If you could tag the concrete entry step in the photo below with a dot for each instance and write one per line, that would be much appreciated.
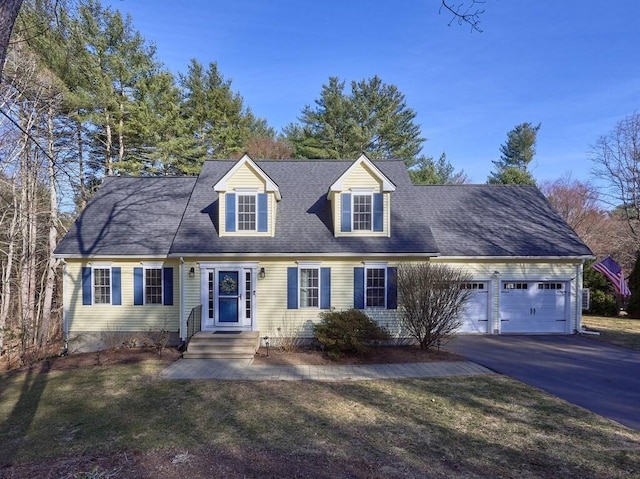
(223, 344)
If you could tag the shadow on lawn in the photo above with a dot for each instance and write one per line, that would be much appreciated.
(17, 424)
(409, 428)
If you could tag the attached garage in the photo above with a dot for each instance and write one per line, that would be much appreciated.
(534, 307)
(477, 312)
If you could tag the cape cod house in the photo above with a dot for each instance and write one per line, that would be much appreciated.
(264, 246)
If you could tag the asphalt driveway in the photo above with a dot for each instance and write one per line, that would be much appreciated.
(599, 377)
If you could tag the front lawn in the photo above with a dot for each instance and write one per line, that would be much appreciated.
(122, 421)
(623, 332)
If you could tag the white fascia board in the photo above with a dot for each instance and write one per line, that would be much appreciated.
(387, 184)
(270, 185)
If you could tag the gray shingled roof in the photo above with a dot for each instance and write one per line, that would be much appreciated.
(178, 217)
(496, 220)
(303, 221)
(129, 216)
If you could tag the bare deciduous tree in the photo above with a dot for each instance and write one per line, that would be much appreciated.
(616, 159)
(579, 205)
(8, 12)
(431, 301)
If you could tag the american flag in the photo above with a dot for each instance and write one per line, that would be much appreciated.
(613, 271)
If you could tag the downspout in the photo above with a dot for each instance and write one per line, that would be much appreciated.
(65, 306)
(183, 325)
(578, 318)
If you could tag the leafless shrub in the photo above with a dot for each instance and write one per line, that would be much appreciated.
(431, 301)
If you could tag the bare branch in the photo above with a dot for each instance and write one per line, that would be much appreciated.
(464, 14)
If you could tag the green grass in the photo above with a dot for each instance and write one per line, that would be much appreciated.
(623, 332)
(450, 427)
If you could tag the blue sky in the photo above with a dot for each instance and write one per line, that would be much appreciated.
(572, 65)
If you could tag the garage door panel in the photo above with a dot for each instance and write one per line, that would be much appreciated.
(533, 307)
(476, 316)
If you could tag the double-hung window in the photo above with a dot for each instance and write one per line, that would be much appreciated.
(362, 211)
(246, 212)
(375, 289)
(153, 286)
(374, 286)
(309, 287)
(101, 285)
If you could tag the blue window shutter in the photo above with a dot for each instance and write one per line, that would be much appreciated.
(230, 211)
(392, 288)
(358, 288)
(116, 286)
(86, 285)
(138, 286)
(346, 212)
(378, 207)
(262, 212)
(325, 288)
(292, 288)
(167, 285)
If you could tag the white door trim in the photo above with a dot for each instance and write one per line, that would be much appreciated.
(209, 298)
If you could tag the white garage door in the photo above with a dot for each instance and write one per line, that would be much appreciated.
(476, 316)
(533, 307)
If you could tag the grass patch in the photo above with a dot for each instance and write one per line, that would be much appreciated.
(623, 332)
(132, 424)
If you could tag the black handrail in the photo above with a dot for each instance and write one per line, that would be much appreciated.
(194, 322)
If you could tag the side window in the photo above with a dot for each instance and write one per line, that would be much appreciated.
(102, 286)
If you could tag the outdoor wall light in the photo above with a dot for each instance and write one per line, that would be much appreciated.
(262, 273)
(496, 274)
(192, 272)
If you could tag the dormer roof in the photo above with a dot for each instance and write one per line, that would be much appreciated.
(386, 184)
(270, 185)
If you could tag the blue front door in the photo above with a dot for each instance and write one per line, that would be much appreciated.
(228, 297)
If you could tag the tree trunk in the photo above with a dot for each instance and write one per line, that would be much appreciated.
(8, 12)
(81, 178)
(108, 145)
(52, 262)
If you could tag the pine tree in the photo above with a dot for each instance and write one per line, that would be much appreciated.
(373, 118)
(517, 153)
(441, 172)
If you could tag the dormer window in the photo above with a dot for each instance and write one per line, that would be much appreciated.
(361, 212)
(246, 212)
(247, 200)
(361, 201)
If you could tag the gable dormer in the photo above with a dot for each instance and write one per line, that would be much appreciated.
(361, 201)
(247, 200)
